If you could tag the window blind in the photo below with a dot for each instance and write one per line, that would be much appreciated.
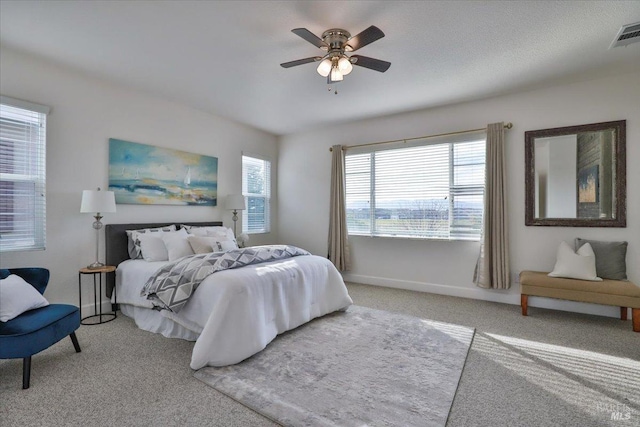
(22, 175)
(256, 188)
(427, 190)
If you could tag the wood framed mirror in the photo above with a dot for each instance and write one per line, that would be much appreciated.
(575, 176)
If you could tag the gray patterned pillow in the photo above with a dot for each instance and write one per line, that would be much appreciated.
(610, 258)
(134, 242)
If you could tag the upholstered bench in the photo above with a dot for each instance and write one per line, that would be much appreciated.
(608, 292)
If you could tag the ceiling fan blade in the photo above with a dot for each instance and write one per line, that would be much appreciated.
(300, 62)
(371, 63)
(310, 37)
(364, 38)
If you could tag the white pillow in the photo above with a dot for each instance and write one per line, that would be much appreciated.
(17, 296)
(196, 231)
(203, 245)
(177, 244)
(572, 265)
(223, 235)
(134, 243)
(224, 246)
(152, 247)
(213, 231)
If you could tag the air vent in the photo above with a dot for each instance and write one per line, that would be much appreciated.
(628, 34)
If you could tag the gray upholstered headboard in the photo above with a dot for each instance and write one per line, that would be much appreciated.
(116, 243)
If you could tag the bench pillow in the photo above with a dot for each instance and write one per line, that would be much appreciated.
(610, 258)
(575, 265)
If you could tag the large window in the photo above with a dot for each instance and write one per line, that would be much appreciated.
(22, 175)
(432, 191)
(256, 188)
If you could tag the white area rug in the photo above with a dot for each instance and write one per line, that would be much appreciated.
(362, 367)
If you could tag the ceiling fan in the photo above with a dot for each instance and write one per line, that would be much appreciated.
(336, 64)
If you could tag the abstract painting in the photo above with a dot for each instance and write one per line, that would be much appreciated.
(146, 175)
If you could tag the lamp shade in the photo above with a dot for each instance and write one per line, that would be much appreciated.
(336, 75)
(98, 201)
(235, 202)
(344, 65)
(324, 68)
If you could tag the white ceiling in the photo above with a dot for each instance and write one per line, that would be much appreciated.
(224, 56)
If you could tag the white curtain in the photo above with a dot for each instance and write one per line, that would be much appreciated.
(492, 269)
(338, 235)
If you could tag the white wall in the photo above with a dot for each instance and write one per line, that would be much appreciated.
(85, 113)
(447, 267)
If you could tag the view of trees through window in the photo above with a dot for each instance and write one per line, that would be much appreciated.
(429, 191)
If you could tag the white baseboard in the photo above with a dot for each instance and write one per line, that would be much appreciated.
(496, 296)
(511, 296)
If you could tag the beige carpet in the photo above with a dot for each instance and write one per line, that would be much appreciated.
(567, 369)
(357, 368)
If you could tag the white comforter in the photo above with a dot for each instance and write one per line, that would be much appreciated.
(236, 313)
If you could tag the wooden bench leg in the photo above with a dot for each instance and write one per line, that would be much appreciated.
(635, 316)
(623, 313)
(523, 304)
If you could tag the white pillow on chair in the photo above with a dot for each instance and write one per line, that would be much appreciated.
(18, 296)
(575, 265)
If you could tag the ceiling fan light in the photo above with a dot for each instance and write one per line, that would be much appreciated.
(336, 75)
(344, 65)
(324, 68)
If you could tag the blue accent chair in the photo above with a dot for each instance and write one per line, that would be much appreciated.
(36, 330)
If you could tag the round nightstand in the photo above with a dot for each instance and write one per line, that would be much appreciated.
(98, 317)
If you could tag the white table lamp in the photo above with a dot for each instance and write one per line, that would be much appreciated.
(96, 202)
(235, 203)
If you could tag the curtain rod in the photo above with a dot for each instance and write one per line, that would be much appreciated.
(346, 147)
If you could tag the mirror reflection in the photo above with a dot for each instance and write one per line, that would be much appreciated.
(575, 175)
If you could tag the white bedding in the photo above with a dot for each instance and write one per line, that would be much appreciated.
(235, 313)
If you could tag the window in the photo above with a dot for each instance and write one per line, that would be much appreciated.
(22, 175)
(421, 190)
(256, 188)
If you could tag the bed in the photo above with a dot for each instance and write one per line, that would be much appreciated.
(234, 313)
